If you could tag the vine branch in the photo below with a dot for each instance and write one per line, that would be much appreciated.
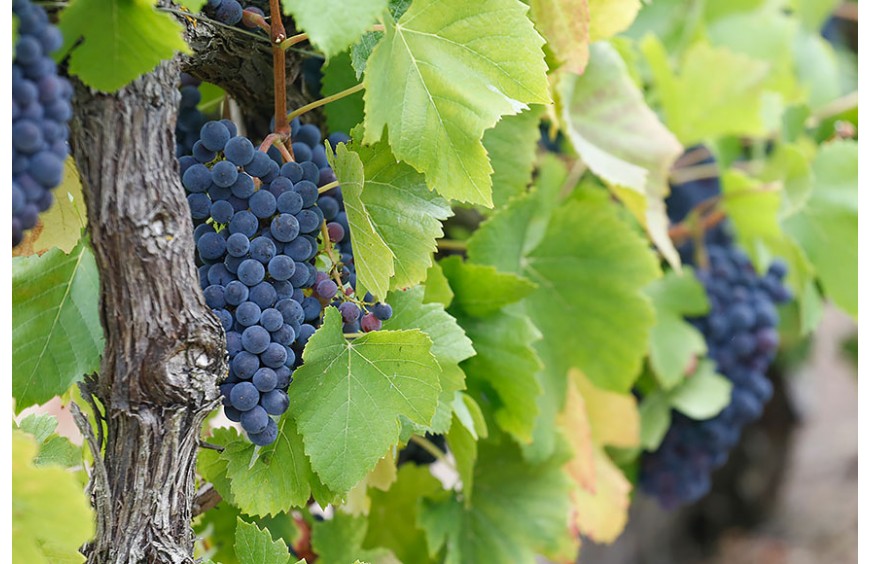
(324, 101)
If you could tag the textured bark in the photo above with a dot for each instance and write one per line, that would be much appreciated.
(241, 63)
(164, 351)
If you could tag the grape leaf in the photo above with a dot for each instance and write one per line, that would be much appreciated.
(275, 478)
(506, 363)
(702, 395)
(609, 17)
(511, 146)
(335, 25)
(51, 516)
(255, 546)
(345, 113)
(589, 268)
(518, 509)
(621, 139)
(593, 418)
(392, 522)
(110, 56)
(450, 346)
(698, 104)
(339, 541)
(480, 290)
(213, 467)
(437, 288)
(347, 397)
(492, 56)
(827, 227)
(565, 24)
(463, 447)
(62, 225)
(56, 332)
(53, 449)
(655, 419)
(673, 341)
(394, 219)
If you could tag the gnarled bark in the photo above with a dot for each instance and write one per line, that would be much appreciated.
(165, 351)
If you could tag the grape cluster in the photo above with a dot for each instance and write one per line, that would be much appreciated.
(190, 119)
(256, 226)
(40, 112)
(742, 339)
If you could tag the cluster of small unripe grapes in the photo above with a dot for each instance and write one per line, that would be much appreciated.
(742, 339)
(259, 224)
(40, 112)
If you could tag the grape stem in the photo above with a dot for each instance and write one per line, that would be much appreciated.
(328, 187)
(452, 245)
(429, 447)
(253, 18)
(278, 35)
(274, 139)
(293, 40)
(324, 101)
(327, 247)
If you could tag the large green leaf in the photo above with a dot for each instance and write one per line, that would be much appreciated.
(673, 341)
(511, 146)
(335, 25)
(518, 510)
(345, 113)
(392, 519)
(450, 346)
(120, 40)
(271, 479)
(348, 396)
(590, 268)
(621, 139)
(443, 74)
(394, 219)
(51, 516)
(56, 332)
(699, 104)
(507, 364)
(255, 546)
(827, 227)
(339, 541)
(480, 289)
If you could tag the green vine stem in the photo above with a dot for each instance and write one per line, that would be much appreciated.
(324, 101)
(328, 187)
(452, 245)
(293, 40)
(429, 447)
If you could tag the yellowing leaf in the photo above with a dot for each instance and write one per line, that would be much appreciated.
(565, 24)
(622, 139)
(609, 17)
(592, 418)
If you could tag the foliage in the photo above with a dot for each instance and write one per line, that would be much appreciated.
(518, 337)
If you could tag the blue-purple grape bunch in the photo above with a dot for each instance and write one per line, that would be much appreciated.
(742, 339)
(41, 111)
(256, 226)
(190, 118)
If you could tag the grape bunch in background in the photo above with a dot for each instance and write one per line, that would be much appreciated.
(190, 119)
(259, 225)
(40, 112)
(742, 339)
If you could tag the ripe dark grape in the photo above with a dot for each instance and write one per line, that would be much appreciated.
(40, 112)
(382, 311)
(244, 396)
(255, 420)
(274, 402)
(269, 435)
